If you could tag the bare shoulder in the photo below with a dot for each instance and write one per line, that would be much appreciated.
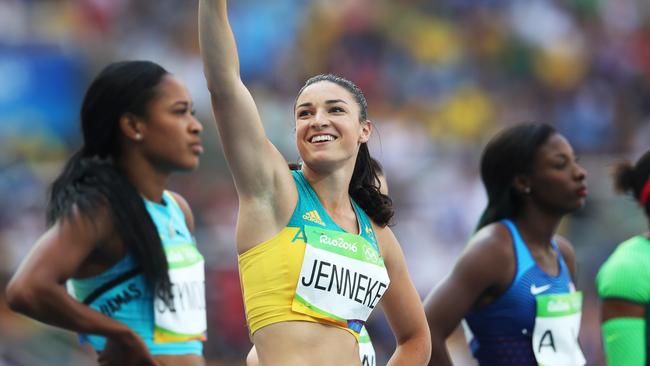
(185, 207)
(488, 259)
(386, 240)
(182, 202)
(91, 227)
(568, 253)
(390, 249)
(481, 273)
(565, 247)
(492, 242)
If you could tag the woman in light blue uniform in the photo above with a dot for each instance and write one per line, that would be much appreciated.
(123, 243)
(513, 284)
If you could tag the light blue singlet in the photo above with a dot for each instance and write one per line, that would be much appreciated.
(120, 292)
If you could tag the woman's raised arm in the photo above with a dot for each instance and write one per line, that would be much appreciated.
(254, 162)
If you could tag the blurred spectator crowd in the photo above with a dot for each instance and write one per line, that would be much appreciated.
(441, 77)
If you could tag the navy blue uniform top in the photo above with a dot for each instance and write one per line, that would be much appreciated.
(502, 331)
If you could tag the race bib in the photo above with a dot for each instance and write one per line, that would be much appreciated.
(555, 337)
(342, 278)
(185, 318)
(366, 350)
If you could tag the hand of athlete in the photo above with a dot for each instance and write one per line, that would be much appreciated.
(128, 350)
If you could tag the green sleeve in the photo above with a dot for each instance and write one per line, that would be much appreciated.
(626, 274)
(624, 341)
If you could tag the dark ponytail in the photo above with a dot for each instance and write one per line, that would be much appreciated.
(91, 181)
(624, 178)
(364, 185)
(364, 189)
(633, 179)
(508, 154)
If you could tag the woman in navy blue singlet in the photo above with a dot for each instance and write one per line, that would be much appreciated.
(116, 237)
(512, 287)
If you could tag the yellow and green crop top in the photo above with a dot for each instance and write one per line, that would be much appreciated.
(270, 271)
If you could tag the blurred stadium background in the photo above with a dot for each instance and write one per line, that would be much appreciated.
(441, 77)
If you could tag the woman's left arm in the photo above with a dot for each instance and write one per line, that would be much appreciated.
(402, 306)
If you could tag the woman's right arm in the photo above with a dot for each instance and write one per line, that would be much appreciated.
(256, 165)
(624, 332)
(623, 287)
(479, 269)
(38, 290)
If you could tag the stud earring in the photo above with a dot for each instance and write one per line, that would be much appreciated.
(138, 136)
(527, 190)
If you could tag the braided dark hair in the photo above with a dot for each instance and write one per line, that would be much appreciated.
(91, 181)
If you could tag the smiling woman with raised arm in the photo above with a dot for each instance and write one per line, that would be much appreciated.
(315, 253)
(366, 349)
(513, 284)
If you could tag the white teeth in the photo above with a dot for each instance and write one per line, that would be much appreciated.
(321, 138)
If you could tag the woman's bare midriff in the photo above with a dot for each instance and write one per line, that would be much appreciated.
(298, 343)
(180, 360)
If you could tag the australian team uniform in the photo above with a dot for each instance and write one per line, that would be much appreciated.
(313, 270)
(121, 293)
(535, 322)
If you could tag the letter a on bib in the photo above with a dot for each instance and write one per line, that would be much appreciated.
(555, 337)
